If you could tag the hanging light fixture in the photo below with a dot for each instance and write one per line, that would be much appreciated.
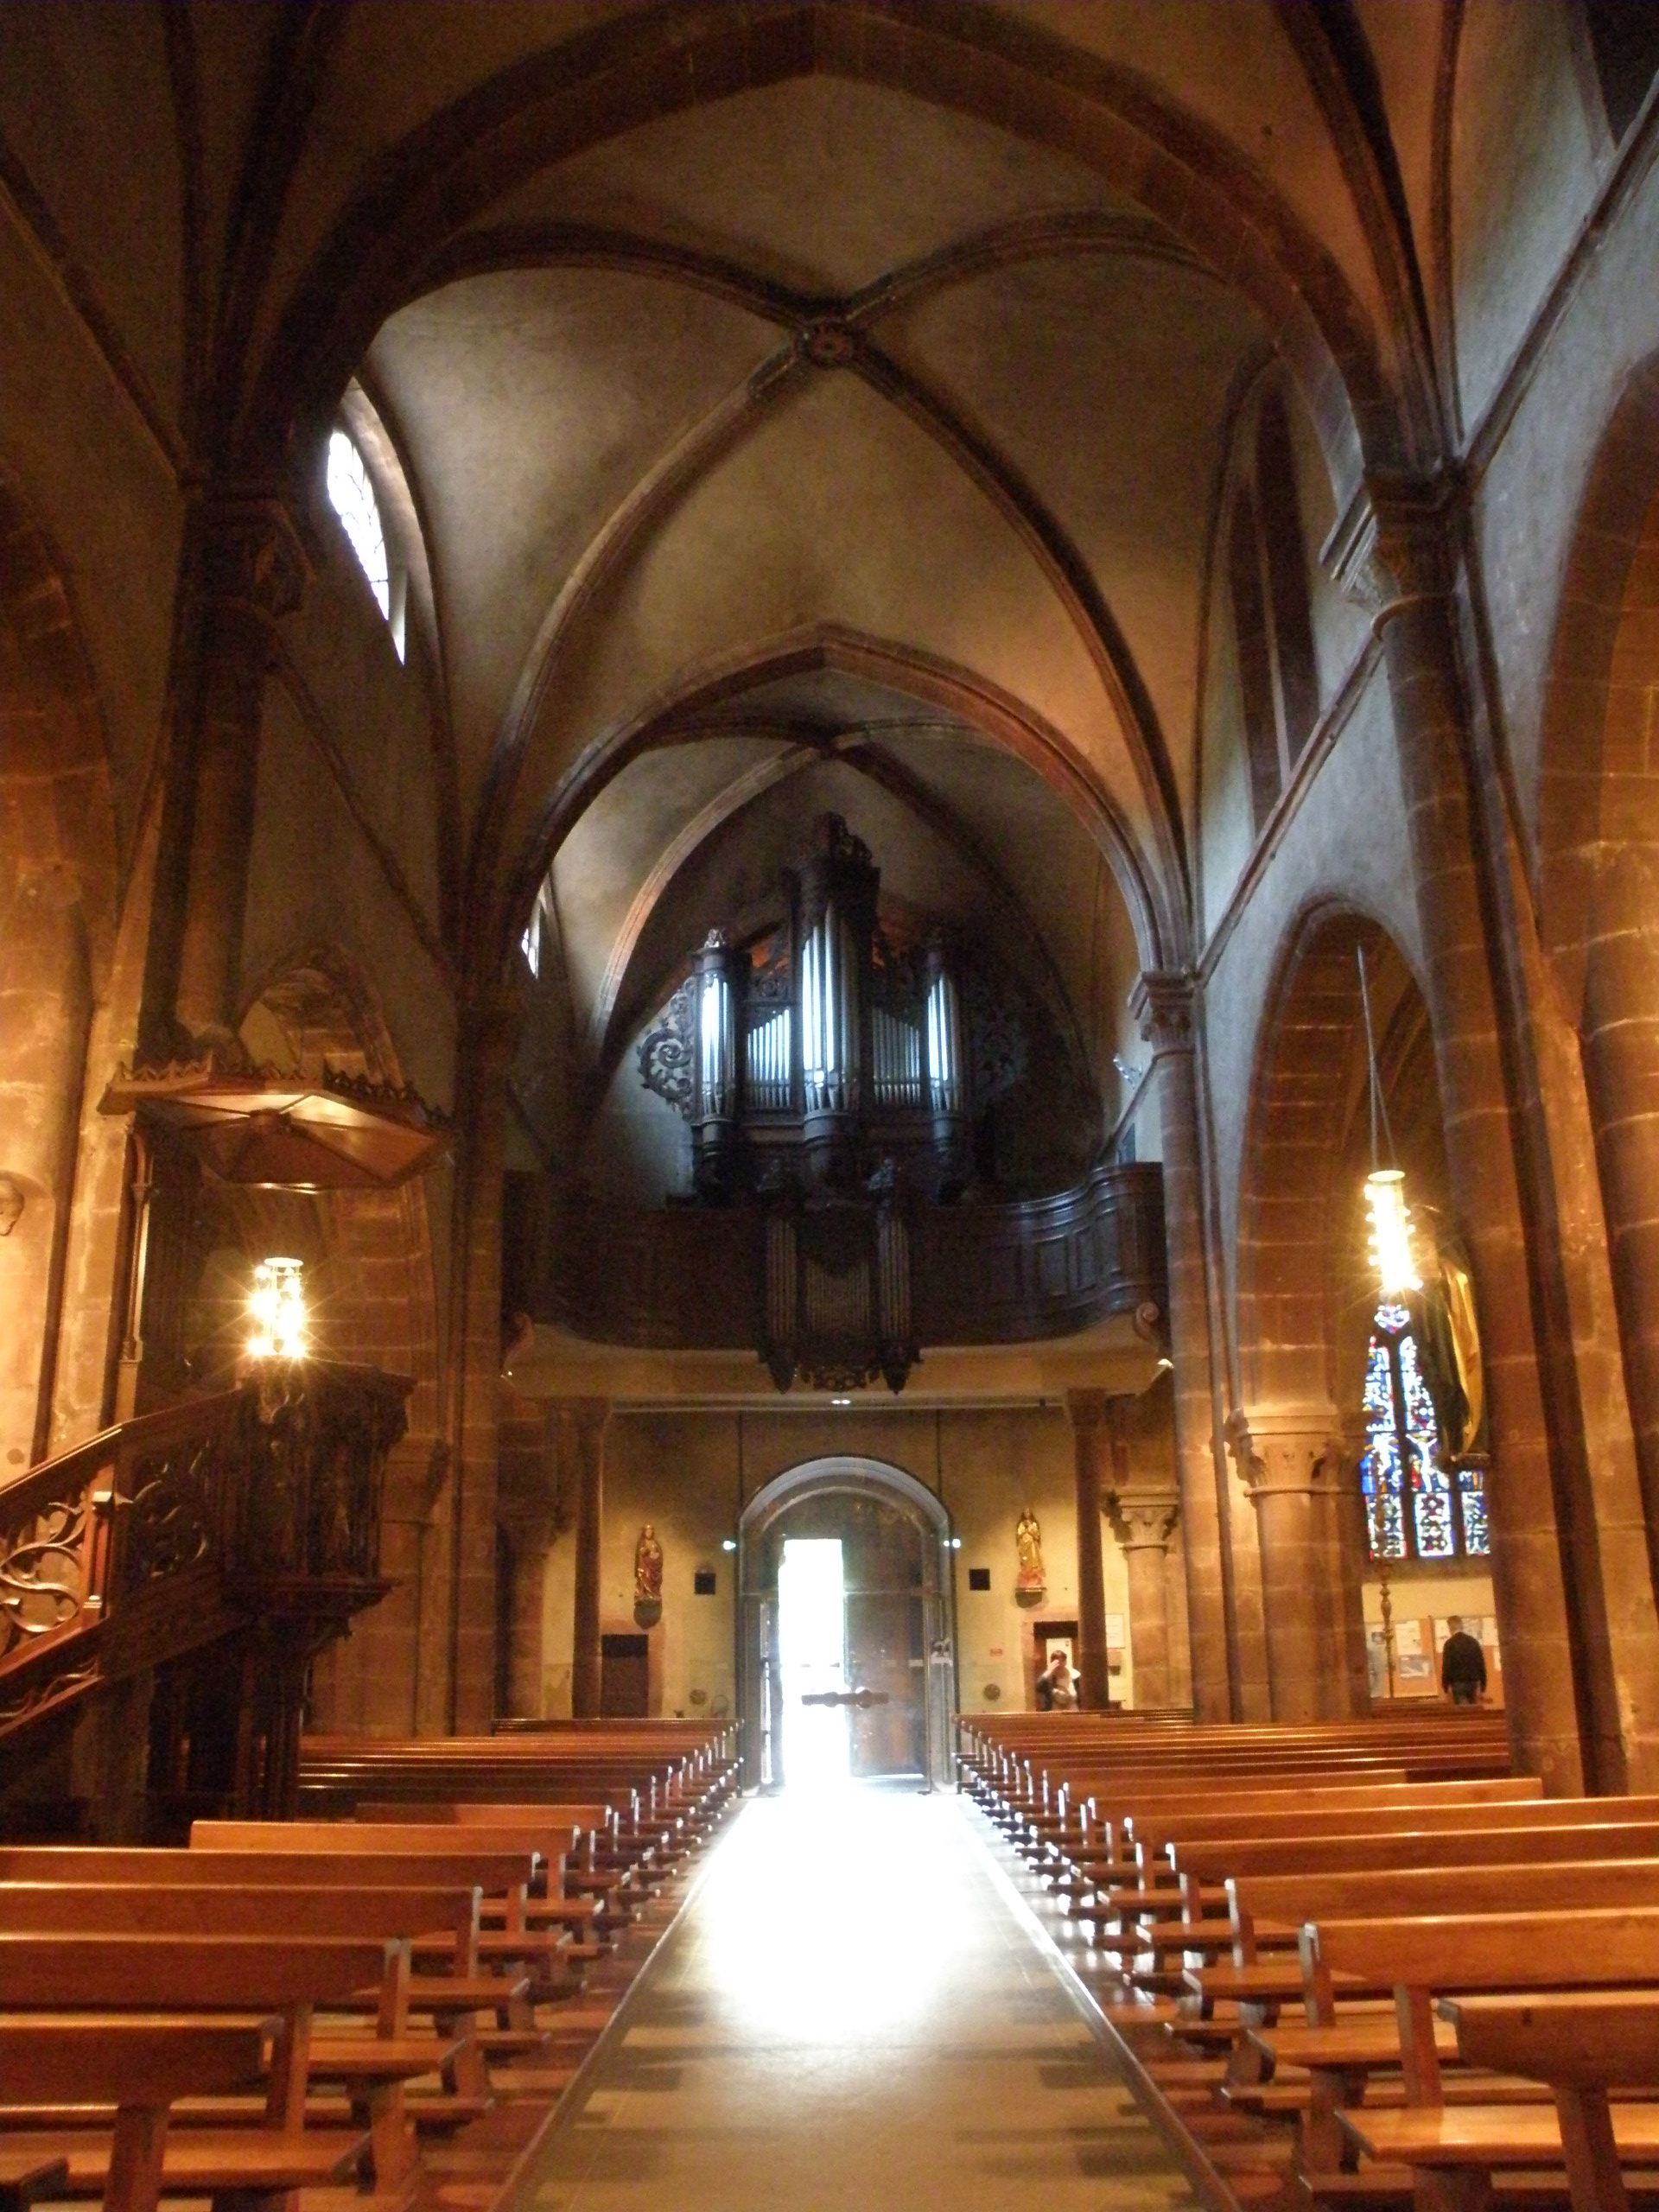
(1385, 1196)
(1385, 1187)
(276, 1311)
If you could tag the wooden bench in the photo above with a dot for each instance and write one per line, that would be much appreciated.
(139, 2065)
(67, 1972)
(1580, 2045)
(1453, 2151)
(371, 2069)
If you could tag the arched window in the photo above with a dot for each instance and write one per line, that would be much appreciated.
(1272, 627)
(351, 494)
(1413, 1507)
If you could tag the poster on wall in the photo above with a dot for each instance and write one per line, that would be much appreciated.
(1482, 1626)
(1411, 1662)
(1115, 1640)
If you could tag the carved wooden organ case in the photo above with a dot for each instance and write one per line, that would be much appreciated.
(824, 1074)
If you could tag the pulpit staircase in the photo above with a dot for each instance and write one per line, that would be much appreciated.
(252, 1514)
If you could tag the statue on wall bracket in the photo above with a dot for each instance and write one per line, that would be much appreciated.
(1030, 1581)
(647, 1579)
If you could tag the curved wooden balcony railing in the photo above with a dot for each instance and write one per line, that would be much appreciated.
(181, 1526)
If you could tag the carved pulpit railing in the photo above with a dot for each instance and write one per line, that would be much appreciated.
(253, 1513)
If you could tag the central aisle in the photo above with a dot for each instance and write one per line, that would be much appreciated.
(850, 2015)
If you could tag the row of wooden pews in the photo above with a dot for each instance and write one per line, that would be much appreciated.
(300, 2014)
(1342, 1981)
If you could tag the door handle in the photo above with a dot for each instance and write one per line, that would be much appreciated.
(862, 1699)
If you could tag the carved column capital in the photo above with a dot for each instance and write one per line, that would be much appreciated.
(1287, 1448)
(253, 553)
(1396, 545)
(1161, 1002)
(588, 1416)
(1144, 1524)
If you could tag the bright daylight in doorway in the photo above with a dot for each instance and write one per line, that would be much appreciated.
(812, 1661)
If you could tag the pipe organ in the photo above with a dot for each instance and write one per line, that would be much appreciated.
(814, 1057)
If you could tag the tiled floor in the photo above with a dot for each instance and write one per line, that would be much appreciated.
(851, 2016)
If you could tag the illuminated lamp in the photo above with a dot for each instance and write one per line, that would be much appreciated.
(1390, 1245)
(276, 1311)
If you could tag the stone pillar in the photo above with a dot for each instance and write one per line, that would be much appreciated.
(1090, 1446)
(485, 1058)
(1163, 1006)
(45, 1007)
(531, 1537)
(1143, 1530)
(581, 1474)
(1346, 1553)
(247, 569)
(1560, 1689)
(528, 1507)
(1288, 1466)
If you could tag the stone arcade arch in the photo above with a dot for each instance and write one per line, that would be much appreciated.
(1303, 1311)
(852, 1477)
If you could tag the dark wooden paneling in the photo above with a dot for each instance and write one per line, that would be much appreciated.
(692, 1278)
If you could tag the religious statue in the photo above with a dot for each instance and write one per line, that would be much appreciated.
(647, 1578)
(648, 1565)
(1030, 1582)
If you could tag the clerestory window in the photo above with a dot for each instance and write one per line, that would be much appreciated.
(1272, 624)
(351, 494)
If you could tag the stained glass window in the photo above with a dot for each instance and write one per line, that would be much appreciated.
(1413, 1508)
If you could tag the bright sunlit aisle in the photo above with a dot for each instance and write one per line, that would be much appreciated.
(851, 2016)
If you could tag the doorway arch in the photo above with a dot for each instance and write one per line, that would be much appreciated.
(842, 1488)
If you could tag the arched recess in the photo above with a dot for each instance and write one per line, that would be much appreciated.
(58, 879)
(1598, 870)
(371, 1295)
(822, 1492)
(1305, 1292)
(697, 706)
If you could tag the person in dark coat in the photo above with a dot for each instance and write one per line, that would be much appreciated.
(1463, 1665)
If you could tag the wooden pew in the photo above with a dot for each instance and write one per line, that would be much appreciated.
(1580, 2045)
(542, 1835)
(138, 2064)
(1453, 2151)
(371, 2069)
(66, 1972)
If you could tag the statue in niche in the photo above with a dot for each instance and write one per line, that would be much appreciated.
(1030, 1581)
(647, 1578)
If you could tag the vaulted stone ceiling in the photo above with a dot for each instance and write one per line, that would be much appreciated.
(795, 398)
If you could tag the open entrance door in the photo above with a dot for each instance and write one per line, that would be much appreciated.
(855, 1552)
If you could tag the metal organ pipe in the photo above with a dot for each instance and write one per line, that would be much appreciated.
(944, 1045)
(766, 1072)
(829, 1016)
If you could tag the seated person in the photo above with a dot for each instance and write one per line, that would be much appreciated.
(1056, 1685)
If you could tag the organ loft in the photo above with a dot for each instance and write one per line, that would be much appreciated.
(828, 1028)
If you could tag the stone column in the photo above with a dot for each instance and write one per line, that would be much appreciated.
(1091, 1444)
(1559, 1680)
(581, 1474)
(1346, 1551)
(1143, 1530)
(246, 571)
(528, 1509)
(1287, 1466)
(530, 1536)
(1163, 1006)
(485, 1058)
